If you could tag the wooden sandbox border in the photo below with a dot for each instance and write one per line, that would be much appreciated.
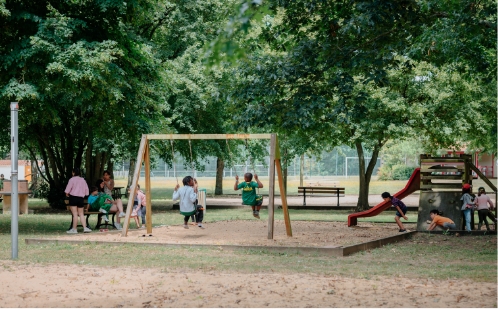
(330, 251)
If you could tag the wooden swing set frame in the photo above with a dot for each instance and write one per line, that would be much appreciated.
(144, 156)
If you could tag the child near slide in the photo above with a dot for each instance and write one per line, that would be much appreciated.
(187, 196)
(249, 196)
(482, 201)
(443, 222)
(400, 207)
(467, 205)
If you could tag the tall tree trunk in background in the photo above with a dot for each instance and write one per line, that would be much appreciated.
(34, 177)
(131, 170)
(88, 163)
(220, 166)
(110, 165)
(365, 175)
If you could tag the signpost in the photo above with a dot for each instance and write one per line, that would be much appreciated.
(14, 228)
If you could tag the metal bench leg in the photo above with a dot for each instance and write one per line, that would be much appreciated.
(304, 197)
(87, 223)
(99, 221)
(337, 197)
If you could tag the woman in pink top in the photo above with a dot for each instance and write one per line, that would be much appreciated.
(482, 201)
(76, 190)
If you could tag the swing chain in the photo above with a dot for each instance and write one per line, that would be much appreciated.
(173, 160)
(191, 158)
(231, 158)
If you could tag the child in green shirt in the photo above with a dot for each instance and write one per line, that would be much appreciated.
(249, 196)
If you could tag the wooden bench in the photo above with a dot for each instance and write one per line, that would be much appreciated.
(88, 213)
(330, 191)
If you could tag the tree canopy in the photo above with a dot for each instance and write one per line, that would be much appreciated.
(363, 73)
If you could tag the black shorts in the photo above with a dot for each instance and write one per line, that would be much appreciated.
(401, 215)
(76, 201)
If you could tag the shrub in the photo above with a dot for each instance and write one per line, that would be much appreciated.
(395, 172)
(402, 172)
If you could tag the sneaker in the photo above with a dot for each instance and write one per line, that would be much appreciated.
(256, 214)
(106, 219)
(87, 230)
(102, 210)
(200, 225)
(185, 226)
(117, 226)
(72, 231)
(122, 214)
(401, 231)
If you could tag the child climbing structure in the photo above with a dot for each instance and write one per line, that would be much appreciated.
(440, 181)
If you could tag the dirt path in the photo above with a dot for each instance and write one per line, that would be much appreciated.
(63, 286)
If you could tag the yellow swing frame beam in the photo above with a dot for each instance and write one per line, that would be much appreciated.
(144, 155)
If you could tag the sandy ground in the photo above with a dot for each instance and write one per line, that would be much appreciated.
(254, 233)
(59, 285)
(31, 286)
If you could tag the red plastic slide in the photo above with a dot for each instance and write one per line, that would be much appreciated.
(412, 186)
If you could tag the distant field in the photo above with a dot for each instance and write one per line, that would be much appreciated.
(162, 188)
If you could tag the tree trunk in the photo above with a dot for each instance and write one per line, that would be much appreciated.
(131, 170)
(220, 166)
(110, 165)
(365, 176)
(88, 163)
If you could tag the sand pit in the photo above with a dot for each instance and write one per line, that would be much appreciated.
(29, 286)
(254, 233)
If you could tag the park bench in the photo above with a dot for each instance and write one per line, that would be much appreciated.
(87, 212)
(321, 191)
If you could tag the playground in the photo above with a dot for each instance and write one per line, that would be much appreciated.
(240, 261)
(198, 269)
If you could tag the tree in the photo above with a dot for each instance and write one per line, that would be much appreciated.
(331, 73)
(80, 76)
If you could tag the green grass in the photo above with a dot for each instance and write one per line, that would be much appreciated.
(424, 256)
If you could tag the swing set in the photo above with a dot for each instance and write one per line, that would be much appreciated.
(144, 157)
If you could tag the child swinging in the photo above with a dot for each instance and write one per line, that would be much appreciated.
(249, 196)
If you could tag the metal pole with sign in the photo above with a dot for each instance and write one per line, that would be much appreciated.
(14, 228)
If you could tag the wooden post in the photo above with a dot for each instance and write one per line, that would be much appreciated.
(283, 196)
(134, 182)
(271, 188)
(148, 205)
